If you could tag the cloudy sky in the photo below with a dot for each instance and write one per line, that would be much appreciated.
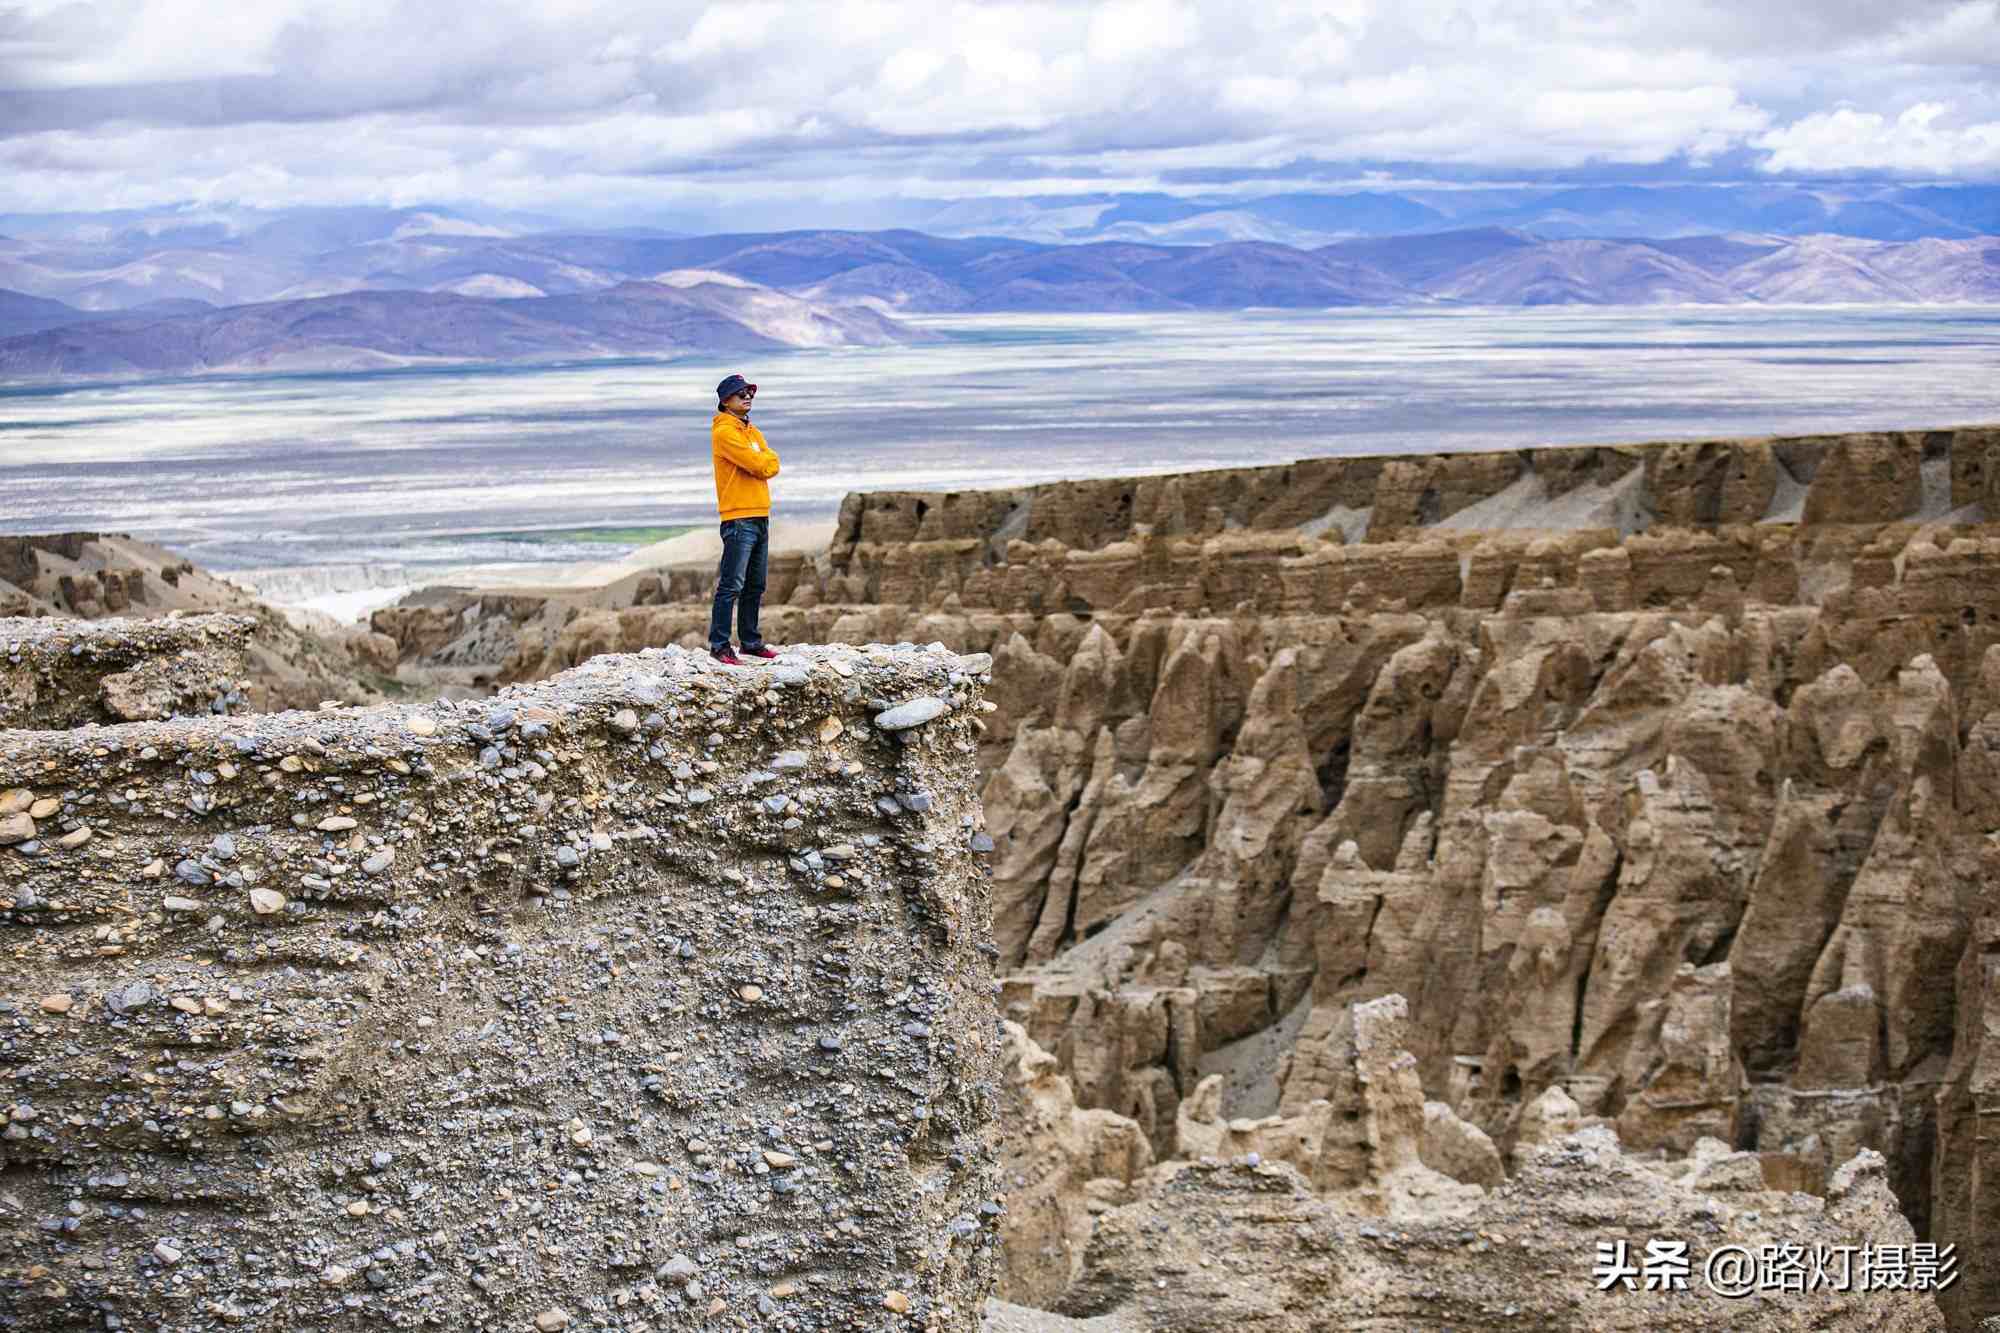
(583, 107)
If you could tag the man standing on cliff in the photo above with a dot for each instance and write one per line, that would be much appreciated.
(744, 463)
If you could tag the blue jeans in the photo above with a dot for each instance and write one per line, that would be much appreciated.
(739, 584)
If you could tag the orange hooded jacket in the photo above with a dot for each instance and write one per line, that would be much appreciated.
(744, 462)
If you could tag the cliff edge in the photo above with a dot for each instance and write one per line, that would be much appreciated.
(653, 992)
(1655, 778)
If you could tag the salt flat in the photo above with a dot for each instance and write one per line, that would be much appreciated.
(540, 474)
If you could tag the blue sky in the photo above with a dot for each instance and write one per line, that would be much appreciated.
(610, 110)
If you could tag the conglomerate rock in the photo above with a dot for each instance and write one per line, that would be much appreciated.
(655, 995)
(58, 673)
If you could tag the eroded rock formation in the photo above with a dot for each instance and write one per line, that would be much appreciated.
(1340, 1219)
(650, 994)
(1658, 780)
(94, 576)
(1225, 1246)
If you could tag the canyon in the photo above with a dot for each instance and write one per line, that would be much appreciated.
(1405, 867)
(1655, 775)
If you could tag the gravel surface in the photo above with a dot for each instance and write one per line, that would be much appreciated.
(475, 1017)
(58, 672)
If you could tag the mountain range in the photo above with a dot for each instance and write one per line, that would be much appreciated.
(354, 287)
(1305, 217)
(1603, 211)
(684, 313)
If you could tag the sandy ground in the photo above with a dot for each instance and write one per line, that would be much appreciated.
(701, 546)
(1527, 504)
(1249, 1067)
(348, 608)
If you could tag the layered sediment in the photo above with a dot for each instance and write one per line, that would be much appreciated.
(90, 576)
(1656, 777)
(650, 995)
(59, 673)
(1353, 1219)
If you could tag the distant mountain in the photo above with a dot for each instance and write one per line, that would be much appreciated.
(21, 313)
(301, 233)
(1313, 218)
(116, 279)
(1582, 272)
(1975, 207)
(1104, 277)
(1942, 270)
(363, 330)
(1823, 269)
(1717, 254)
(1362, 213)
(1416, 260)
(91, 304)
(1233, 277)
(294, 246)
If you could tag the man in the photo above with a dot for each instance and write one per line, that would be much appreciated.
(744, 464)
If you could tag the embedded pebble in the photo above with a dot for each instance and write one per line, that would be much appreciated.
(924, 708)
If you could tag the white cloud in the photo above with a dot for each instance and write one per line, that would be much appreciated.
(70, 45)
(300, 100)
(1850, 140)
(1134, 29)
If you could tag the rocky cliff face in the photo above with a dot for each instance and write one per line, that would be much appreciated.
(92, 576)
(1658, 776)
(57, 673)
(648, 994)
(1353, 1218)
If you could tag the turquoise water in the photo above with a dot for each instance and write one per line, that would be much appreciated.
(488, 464)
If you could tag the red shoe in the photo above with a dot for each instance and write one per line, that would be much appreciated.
(762, 650)
(725, 656)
